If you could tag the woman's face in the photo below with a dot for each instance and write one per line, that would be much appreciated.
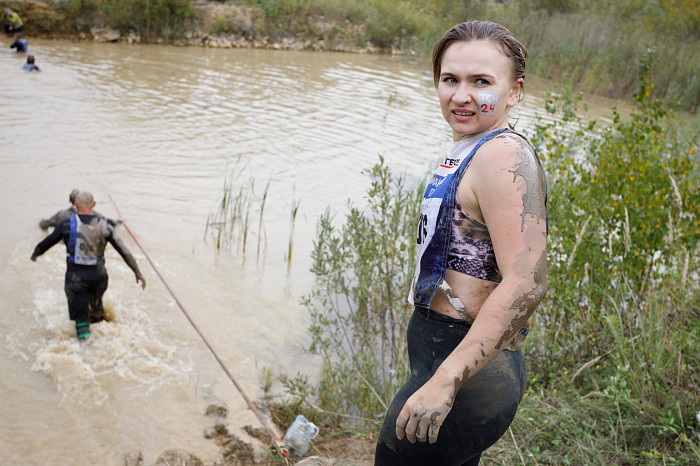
(476, 88)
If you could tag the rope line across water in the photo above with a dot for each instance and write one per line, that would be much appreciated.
(278, 443)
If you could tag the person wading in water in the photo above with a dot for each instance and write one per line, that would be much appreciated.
(86, 235)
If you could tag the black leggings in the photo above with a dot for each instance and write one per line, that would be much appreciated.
(84, 290)
(483, 409)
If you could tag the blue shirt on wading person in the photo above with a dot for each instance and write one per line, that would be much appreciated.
(30, 65)
(20, 43)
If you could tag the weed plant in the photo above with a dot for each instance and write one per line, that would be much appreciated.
(358, 305)
(166, 19)
(229, 226)
(613, 360)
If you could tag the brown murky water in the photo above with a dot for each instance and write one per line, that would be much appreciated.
(160, 129)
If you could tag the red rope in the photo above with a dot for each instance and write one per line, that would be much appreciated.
(271, 433)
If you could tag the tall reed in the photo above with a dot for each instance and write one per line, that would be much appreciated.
(230, 223)
(261, 230)
(292, 221)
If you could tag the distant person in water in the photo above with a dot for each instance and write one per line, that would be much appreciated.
(11, 22)
(61, 215)
(30, 65)
(20, 43)
(86, 235)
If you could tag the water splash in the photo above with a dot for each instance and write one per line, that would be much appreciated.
(125, 355)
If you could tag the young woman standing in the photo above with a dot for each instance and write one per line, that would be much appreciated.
(481, 270)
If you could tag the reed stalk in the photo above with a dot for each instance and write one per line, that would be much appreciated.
(292, 221)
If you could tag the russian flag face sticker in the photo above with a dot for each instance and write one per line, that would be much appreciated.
(487, 102)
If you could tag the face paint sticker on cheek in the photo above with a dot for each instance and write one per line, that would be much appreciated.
(487, 102)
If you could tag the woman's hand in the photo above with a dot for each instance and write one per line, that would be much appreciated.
(426, 410)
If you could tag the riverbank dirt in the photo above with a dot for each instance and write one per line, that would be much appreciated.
(325, 450)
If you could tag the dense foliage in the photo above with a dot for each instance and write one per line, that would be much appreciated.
(616, 340)
(593, 44)
(165, 19)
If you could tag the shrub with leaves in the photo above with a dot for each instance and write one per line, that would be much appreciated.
(624, 220)
(623, 267)
(358, 306)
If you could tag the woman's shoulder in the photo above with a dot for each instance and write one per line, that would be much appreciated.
(509, 154)
(512, 139)
(507, 147)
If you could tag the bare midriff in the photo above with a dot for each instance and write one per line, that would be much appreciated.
(471, 291)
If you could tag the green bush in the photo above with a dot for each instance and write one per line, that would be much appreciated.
(85, 13)
(624, 211)
(164, 18)
(358, 305)
(622, 312)
(167, 19)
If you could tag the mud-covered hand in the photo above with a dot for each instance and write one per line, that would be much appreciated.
(426, 410)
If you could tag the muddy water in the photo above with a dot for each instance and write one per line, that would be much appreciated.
(160, 130)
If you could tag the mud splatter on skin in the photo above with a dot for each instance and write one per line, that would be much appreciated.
(525, 305)
(533, 204)
(456, 303)
(427, 419)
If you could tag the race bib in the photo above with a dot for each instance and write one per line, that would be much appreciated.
(436, 190)
(86, 241)
(85, 252)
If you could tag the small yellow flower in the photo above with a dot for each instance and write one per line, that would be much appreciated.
(566, 372)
